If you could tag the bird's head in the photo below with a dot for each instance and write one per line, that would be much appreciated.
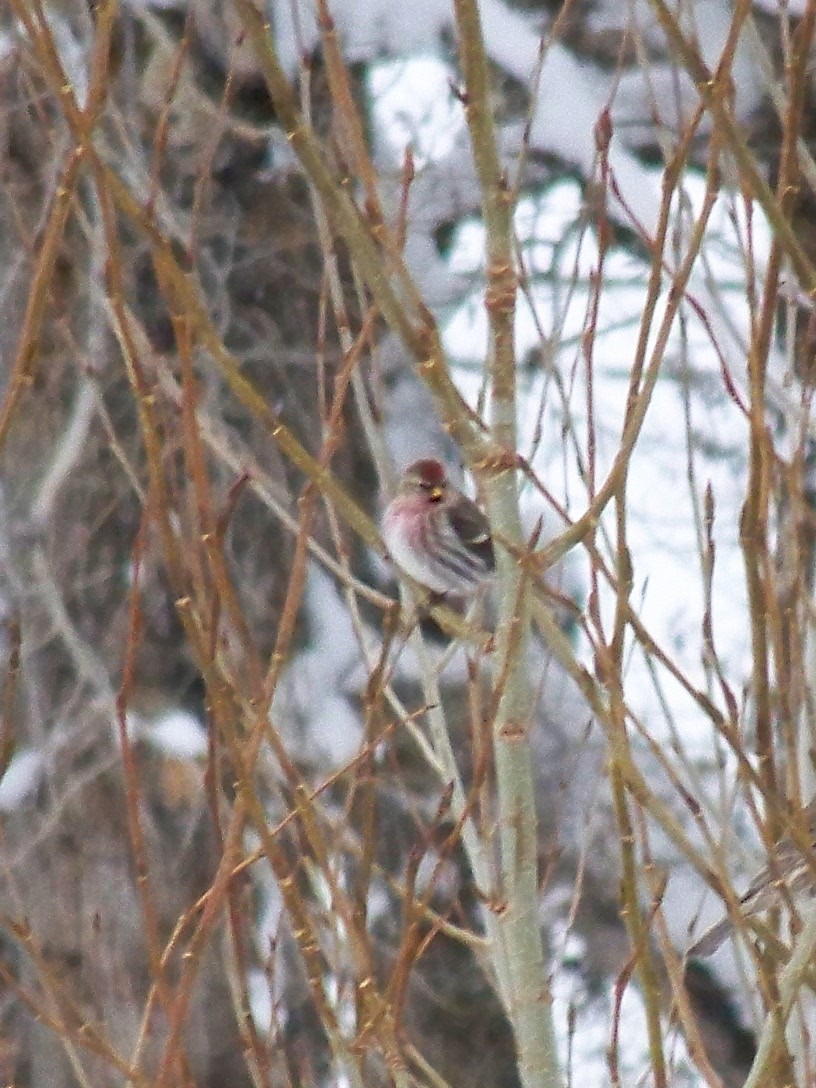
(427, 479)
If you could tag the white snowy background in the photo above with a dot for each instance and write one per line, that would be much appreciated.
(692, 420)
(690, 404)
(694, 437)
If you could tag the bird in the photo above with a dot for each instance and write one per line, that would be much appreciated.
(436, 534)
(789, 870)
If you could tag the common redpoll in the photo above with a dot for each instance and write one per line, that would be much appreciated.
(790, 871)
(436, 534)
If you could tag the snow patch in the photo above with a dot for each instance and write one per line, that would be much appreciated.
(22, 778)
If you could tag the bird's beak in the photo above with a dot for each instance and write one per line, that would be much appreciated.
(436, 494)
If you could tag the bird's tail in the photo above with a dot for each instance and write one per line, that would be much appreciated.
(711, 939)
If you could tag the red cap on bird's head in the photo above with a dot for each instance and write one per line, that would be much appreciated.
(428, 471)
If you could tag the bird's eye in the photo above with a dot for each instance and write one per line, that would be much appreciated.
(433, 491)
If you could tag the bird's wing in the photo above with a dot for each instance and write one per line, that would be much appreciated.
(474, 529)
